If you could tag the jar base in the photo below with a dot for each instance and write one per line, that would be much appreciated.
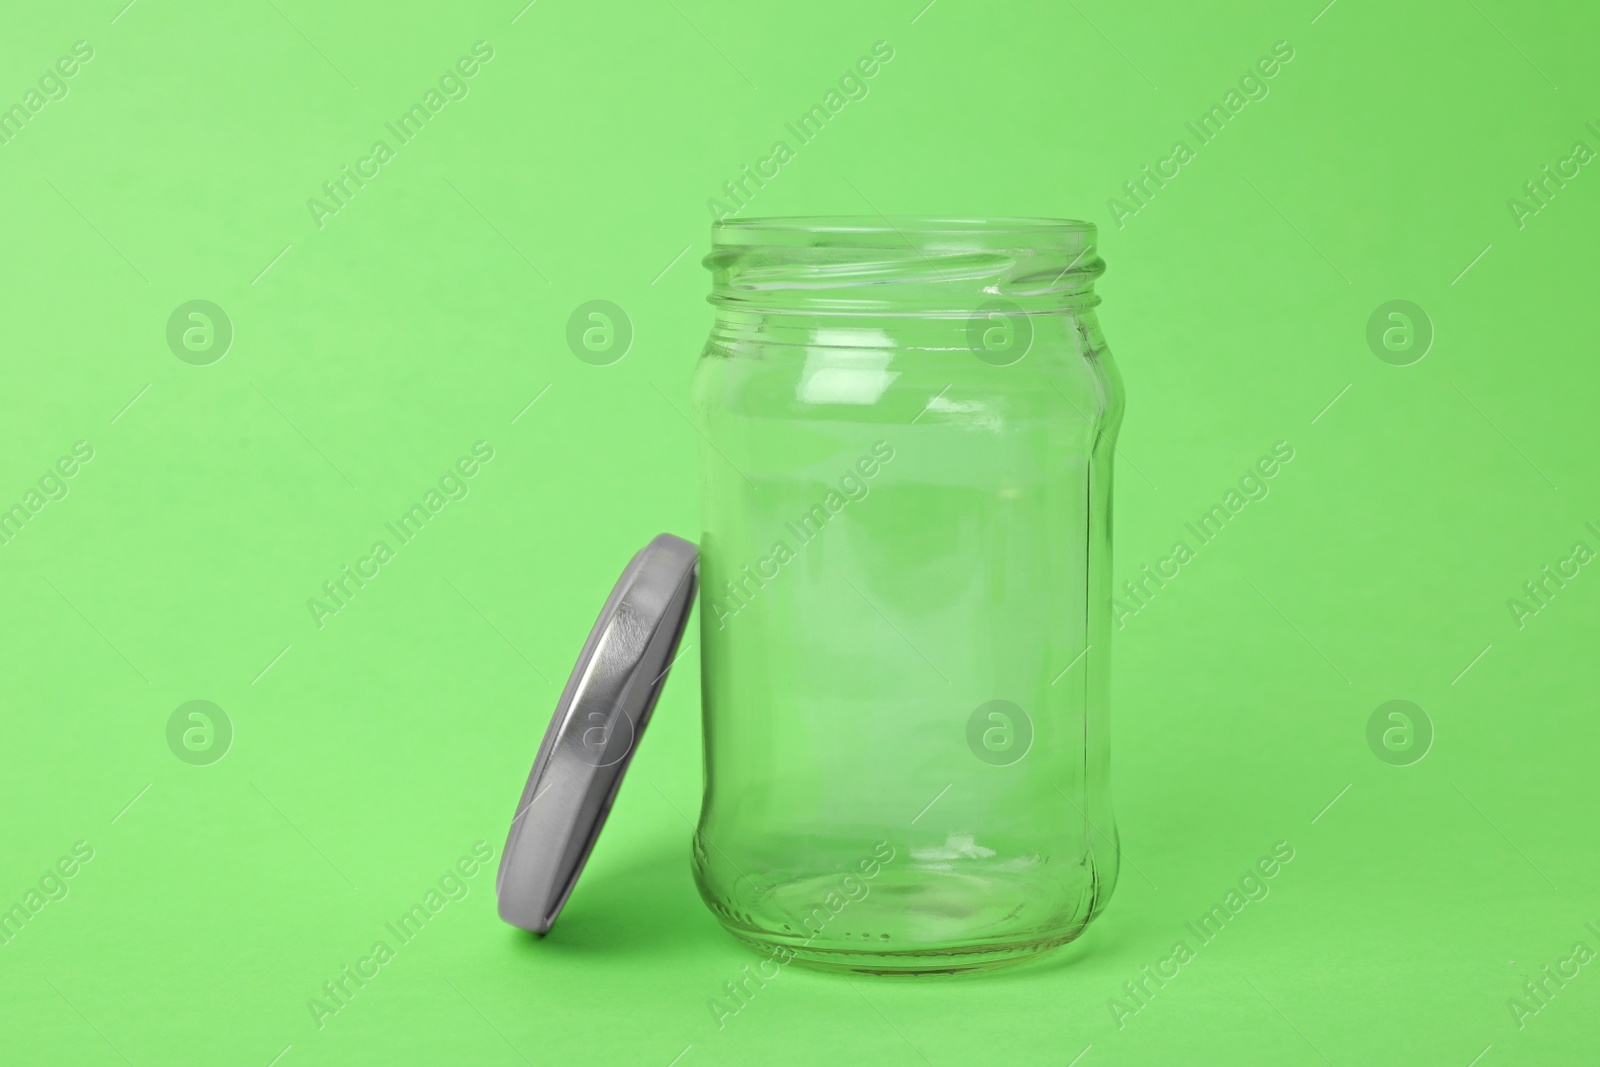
(922, 963)
(913, 919)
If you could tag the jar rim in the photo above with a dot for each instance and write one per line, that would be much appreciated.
(932, 225)
(912, 264)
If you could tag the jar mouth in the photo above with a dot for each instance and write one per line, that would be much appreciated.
(911, 225)
(875, 264)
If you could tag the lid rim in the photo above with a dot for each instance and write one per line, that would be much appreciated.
(614, 686)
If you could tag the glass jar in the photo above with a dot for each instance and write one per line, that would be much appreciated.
(905, 601)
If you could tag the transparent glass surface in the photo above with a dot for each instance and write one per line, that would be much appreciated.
(905, 590)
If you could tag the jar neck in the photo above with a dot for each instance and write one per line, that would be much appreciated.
(861, 273)
(740, 330)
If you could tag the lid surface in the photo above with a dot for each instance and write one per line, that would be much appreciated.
(603, 710)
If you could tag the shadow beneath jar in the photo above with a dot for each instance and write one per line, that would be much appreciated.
(645, 905)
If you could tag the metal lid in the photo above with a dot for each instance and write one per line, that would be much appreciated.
(586, 750)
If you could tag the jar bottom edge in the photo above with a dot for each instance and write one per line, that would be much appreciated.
(920, 963)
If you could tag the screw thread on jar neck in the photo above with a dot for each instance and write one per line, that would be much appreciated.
(917, 266)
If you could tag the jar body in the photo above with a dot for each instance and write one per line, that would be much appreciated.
(905, 622)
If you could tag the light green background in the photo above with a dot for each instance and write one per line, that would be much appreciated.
(373, 352)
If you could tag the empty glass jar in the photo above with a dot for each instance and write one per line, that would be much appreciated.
(905, 590)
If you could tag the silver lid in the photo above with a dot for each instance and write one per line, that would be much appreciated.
(591, 739)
